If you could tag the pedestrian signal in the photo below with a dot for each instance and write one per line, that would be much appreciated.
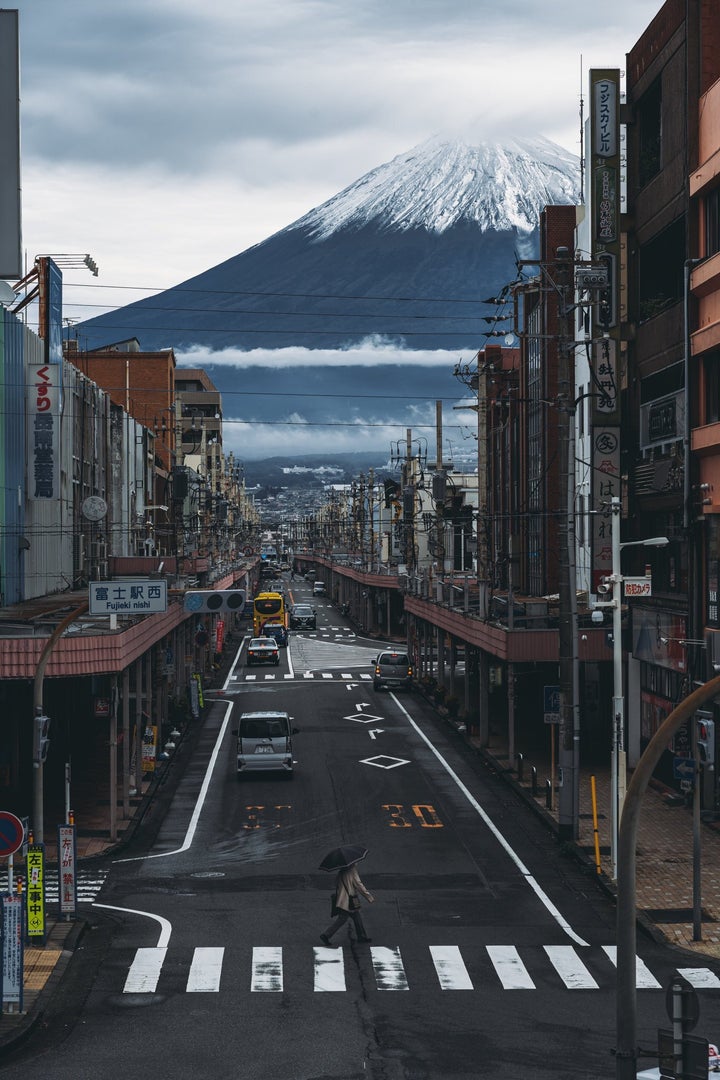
(41, 739)
(705, 739)
(209, 600)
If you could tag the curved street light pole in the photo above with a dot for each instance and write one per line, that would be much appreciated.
(626, 933)
(38, 804)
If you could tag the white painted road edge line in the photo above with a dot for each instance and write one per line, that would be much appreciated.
(165, 924)
(539, 892)
(192, 827)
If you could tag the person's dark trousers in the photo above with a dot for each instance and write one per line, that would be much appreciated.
(341, 919)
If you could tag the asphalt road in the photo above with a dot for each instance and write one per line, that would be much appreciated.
(491, 951)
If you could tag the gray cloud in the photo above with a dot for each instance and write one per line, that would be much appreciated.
(177, 134)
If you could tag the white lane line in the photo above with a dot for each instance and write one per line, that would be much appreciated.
(509, 967)
(345, 675)
(329, 970)
(539, 892)
(700, 978)
(165, 924)
(145, 971)
(644, 979)
(570, 967)
(327, 675)
(267, 969)
(388, 968)
(250, 678)
(205, 971)
(450, 967)
(192, 827)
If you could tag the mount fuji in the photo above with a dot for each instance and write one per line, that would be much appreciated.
(389, 274)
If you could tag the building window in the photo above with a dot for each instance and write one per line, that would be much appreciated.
(660, 267)
(712, 222)
(649, 126)
(712, 388)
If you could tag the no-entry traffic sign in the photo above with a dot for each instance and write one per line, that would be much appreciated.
(12, 833)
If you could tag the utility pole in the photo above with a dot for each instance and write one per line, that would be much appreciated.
(568, 816)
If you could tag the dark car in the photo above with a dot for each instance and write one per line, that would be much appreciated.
(303, 617)
(276, 630)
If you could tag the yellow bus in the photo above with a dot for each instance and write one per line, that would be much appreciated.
(268, 607)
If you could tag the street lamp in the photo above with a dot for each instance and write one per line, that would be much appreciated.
(618, 770)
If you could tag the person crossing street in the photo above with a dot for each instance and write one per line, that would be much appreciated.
(348, 889)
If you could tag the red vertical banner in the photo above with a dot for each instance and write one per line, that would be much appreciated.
(67, 869)
(219, 635)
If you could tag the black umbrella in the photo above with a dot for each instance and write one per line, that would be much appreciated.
(342, 857)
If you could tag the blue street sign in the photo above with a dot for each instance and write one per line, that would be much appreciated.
(551, 704)
(683, 768)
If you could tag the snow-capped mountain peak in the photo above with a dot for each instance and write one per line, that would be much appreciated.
(444, 181)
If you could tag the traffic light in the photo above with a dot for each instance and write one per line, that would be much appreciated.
(705, 727)
(214, 600)
(41, 738)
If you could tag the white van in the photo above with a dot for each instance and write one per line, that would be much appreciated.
(264, 743)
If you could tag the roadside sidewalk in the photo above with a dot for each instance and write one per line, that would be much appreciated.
(664, 856)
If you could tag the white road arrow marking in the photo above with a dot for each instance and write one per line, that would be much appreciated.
(351, 686)
(362, 705)
(375, 731)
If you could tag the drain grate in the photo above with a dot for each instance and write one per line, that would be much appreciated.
(676, 915)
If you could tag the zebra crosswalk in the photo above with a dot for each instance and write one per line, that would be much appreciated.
(509, 969)
(89, 883)
(275, 676)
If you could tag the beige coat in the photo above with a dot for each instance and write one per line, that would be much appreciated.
(349, 884)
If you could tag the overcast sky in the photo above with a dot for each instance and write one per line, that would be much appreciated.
(163, 136)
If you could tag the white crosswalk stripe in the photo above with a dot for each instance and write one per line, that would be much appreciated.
(329, 970)
(89, 883)
(205, 971)
(570, 967)
(644, 980)
(388, 968)
(144, 973)
(512, 971)
(267, 970)
(509, 967)
(700, 978)
(450, 967)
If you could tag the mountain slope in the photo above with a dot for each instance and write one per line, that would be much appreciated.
(404, 253)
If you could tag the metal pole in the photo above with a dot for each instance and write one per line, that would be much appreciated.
(626, 932)
(618, 772)
(38, 802)
(696, 875)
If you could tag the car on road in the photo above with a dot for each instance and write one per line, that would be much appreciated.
(393, 671)
(278, 631)
(264, 743)
(303, 617)
(318, 588)
(262, 650)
